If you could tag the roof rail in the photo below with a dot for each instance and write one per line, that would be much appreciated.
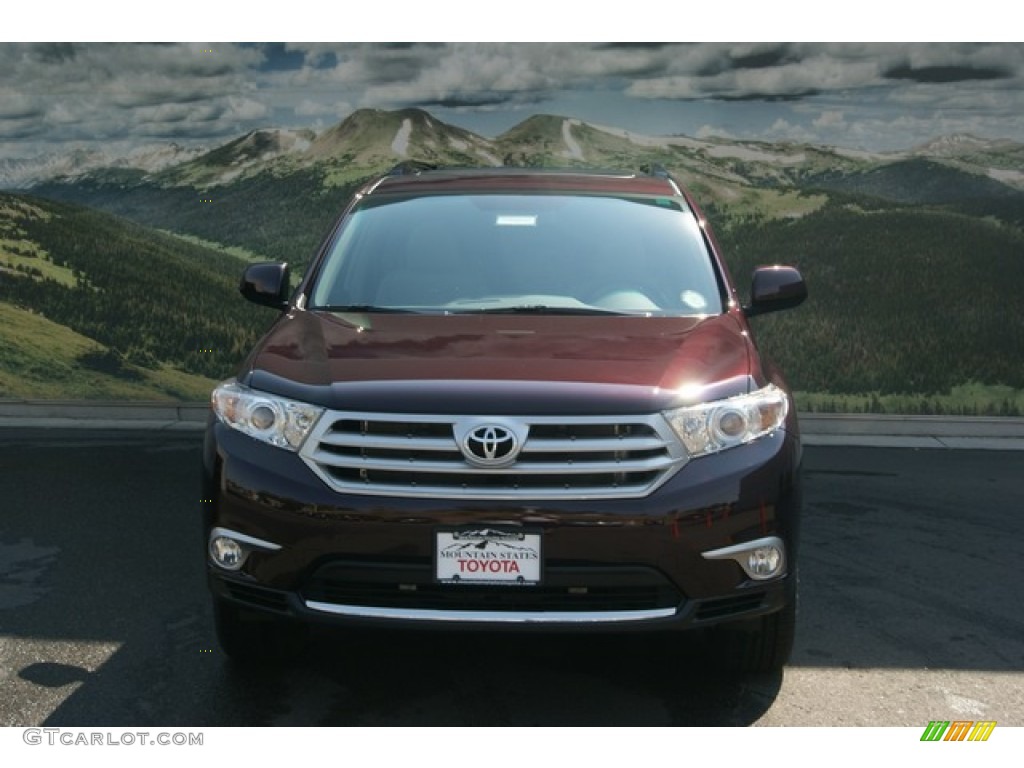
(656, 169)
(411, 167)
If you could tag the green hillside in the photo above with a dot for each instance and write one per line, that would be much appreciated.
(914, 262)
(147, 313)
(918, 181)
(40, 359)
(280, 218)
(902, 300)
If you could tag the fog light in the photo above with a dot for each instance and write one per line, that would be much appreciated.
(227, 553)
(764, 562)
(230, 549)
(760, 559)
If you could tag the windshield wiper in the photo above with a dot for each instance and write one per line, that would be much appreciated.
(364, 308)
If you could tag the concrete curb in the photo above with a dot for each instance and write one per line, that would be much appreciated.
(963, 432)
(102, 415)
(875, 430)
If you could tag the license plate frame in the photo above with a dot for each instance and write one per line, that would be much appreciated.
(488, 555)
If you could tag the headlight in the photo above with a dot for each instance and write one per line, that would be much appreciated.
(712, 427)
(275, 420)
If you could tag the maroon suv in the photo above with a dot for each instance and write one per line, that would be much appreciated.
(509, 398)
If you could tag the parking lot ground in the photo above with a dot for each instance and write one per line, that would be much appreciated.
(910, 611)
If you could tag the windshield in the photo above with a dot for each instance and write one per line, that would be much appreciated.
(520, 253)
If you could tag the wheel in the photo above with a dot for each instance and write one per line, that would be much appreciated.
(762, 644)
(249, 639)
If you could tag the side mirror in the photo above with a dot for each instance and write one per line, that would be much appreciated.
(775, 288)
(266, 283)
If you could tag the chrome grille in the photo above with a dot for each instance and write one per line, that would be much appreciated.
(561, 457)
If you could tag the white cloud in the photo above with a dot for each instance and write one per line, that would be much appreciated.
(845, 92)
(314, 108)
(830, 119)
(783, 130)
(17, 105)
(245, 109)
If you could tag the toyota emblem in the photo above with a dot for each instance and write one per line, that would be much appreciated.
(490, 445)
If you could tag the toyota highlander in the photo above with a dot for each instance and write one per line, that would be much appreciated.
(509, 399)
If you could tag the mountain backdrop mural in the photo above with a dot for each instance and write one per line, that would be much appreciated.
(119, 267)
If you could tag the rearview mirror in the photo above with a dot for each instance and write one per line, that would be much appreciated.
(266, 283)
(775, 288)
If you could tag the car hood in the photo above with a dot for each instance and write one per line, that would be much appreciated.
(501, 363)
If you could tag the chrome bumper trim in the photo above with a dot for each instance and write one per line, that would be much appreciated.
(500, 617)
(245, 539)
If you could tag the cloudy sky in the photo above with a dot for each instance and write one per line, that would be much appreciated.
(878, 96)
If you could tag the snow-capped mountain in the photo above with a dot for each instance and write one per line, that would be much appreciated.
(244, 156)
(371, 140)
(24, 173)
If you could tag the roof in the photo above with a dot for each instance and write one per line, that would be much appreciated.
(526, 179)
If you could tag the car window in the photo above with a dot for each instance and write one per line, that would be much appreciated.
(476, 253)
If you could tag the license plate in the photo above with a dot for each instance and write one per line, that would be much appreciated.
(487, 556)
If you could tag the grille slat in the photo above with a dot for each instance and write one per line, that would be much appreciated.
(258, 596)
(559, 457)
(383, 442)
(596, 446)
(727, 606)
(532, 468)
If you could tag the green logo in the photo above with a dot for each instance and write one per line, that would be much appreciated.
(958, 730)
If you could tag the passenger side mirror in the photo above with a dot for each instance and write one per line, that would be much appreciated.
(775, 288)
(266, 283)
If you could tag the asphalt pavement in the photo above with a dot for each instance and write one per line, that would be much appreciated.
(910, 610)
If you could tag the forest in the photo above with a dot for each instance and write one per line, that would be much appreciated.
(282, 217)
(148, 298)
(909, 301)
(902, 299)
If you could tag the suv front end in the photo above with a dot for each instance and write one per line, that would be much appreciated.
(548, 447)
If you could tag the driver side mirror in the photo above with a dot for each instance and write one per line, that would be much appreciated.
(266, 283)
(775, 288)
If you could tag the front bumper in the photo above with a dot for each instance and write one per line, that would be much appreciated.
(616, 564)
